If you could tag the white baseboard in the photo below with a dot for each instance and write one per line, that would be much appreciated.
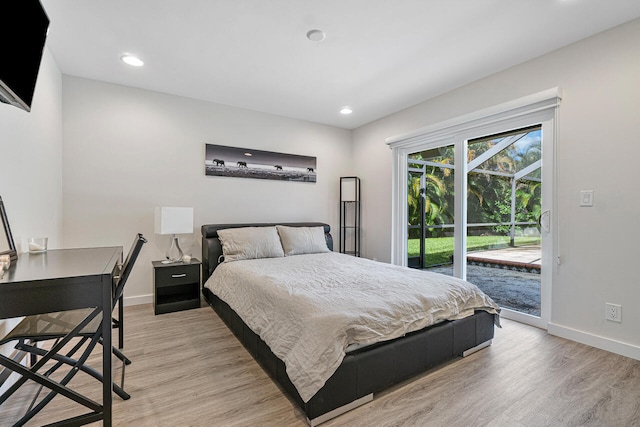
(603, 343)
(138, 300)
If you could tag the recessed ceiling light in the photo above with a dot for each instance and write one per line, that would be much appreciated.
(248, 154)
(132, 60)
(346, 110)
(316, 35)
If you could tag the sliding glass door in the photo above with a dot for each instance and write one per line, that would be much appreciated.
(504, 206)
(502, 220)
(489, 225)
(478, 183)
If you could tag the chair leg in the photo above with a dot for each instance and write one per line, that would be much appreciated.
(121, 322)
(34, 369)
(55, 388)
(119, 390)
(121, 356)
(35, 351)
(74, 370)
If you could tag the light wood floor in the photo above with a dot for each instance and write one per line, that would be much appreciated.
(189, 370)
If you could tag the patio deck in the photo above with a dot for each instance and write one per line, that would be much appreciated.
(518, 258)
(511, 276)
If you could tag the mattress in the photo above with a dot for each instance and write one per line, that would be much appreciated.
(309, 309)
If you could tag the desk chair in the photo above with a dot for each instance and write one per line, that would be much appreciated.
(62, 327)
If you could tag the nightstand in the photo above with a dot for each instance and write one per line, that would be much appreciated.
(176, 286)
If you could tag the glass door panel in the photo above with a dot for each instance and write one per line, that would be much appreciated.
(503, 202)
(431, 216)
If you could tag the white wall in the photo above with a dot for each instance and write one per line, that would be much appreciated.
(129, 150)
(31, 164)
(598, 149)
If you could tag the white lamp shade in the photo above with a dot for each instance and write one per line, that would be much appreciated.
(174, 221)
(348, 189)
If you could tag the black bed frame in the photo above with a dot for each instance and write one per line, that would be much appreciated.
(362, 372)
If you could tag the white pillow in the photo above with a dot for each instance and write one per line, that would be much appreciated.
(302, 240)
(250, 243)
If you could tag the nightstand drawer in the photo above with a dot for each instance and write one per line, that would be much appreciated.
(177, 275)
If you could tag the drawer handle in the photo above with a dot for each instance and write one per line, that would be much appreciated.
(175, 276)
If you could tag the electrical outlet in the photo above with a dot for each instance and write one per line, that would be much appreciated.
(613, 312)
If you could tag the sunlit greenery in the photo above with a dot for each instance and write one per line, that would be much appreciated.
(488, 195)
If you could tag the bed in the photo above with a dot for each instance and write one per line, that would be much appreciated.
(357, 364)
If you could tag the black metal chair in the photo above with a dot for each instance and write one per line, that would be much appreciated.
(63, 327)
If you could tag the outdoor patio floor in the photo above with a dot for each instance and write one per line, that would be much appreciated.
(522, 256)
(510, 276)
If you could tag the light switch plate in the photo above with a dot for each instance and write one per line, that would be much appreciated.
(586, 198)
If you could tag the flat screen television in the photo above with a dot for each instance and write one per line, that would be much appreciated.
(23, 31)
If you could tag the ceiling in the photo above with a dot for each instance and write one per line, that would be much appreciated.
(378, 57)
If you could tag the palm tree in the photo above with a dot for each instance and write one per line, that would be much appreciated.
(438, 194)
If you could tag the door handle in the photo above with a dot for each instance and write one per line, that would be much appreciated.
(545, 221)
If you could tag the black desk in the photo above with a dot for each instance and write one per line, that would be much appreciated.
(65, 279)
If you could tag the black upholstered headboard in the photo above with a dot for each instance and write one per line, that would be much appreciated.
(212, 249)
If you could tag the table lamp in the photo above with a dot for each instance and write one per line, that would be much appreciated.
(174, 221)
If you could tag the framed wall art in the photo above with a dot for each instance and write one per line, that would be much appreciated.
(237, 162)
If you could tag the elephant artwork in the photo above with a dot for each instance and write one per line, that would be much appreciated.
(238, 162)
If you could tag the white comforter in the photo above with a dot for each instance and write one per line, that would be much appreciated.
(309, 308)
